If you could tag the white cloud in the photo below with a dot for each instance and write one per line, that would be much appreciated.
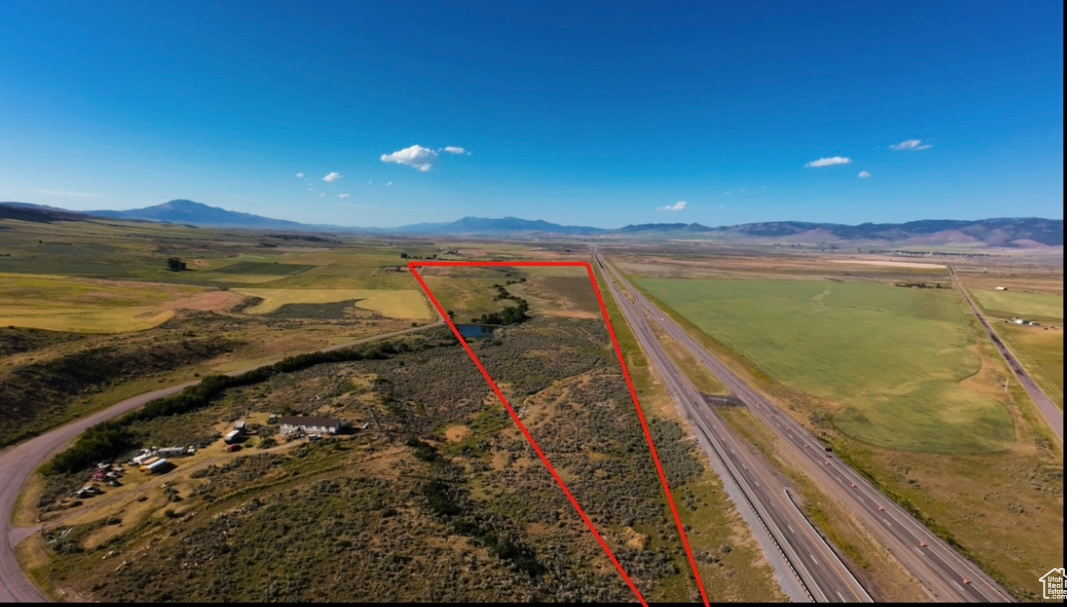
(342, 195)
(452, 149)
(310, 189)
(911, 144)
(370, 182)
(69, 194)
(728, 192)
(389, 183)
(332, 177)
(322, 194)
(864, 175)
(678, 206)
(827, 162)
(417, 157)
(299, 175)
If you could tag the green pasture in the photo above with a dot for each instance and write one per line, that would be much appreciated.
(1042, 353)
(1008, 304)
(894, 358)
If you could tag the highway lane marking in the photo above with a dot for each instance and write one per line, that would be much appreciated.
(840, 595)
(749, 469)
(814, 559)
(887, 522)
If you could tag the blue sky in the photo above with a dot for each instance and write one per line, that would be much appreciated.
(590, 115)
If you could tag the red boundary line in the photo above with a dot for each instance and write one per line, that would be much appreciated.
(412, 265)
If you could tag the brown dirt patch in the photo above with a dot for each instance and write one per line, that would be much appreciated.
(456, 434)
(211, 301)
(635, 539)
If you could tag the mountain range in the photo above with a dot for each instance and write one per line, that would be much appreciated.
(1024, 232)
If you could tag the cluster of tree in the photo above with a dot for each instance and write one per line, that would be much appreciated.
(921, 285)
(175, 264)
(108, 440)
(103, 441)
(407, 256)
(307, 237)
(444, 501)
(508, 316)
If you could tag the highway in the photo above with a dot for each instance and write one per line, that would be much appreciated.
(943, 573)
(19, 462)
(1052, 415)
(821, 575)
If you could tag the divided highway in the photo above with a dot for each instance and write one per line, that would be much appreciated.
(1053, 416)
(821, 575)
(944, 573)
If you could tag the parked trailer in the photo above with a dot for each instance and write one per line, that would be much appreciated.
(170, 451)
(142, 459)
(158, 466)
(146, 464)
(232, 436)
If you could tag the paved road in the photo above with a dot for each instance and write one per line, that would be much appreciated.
(800, 553)
(944, 573)
(1053, 416)
(19, 462)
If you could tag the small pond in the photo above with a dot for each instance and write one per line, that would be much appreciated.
(482, 331)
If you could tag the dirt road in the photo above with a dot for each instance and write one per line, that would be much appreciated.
(17, 463)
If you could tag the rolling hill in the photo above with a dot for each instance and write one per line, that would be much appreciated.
(1021, 233)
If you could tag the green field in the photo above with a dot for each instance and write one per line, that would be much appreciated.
(1040, 349)
(895, 359)
(1042, 354)
(1007, 304)
(271, 269)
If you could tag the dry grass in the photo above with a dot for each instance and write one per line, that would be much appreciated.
(400, 304)
(58, 303)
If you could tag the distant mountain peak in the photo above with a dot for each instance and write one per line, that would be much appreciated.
(190, 212)
(1020, 232)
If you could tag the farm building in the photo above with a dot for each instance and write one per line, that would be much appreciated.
(233, 437)
(311, 425)
(1002, 288)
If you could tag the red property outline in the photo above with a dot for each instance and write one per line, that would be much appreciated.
(412, 265)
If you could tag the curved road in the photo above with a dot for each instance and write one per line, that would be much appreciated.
(1053, 416)
(20, 461)
(942, 571)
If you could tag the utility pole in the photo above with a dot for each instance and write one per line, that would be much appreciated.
(374, 417)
